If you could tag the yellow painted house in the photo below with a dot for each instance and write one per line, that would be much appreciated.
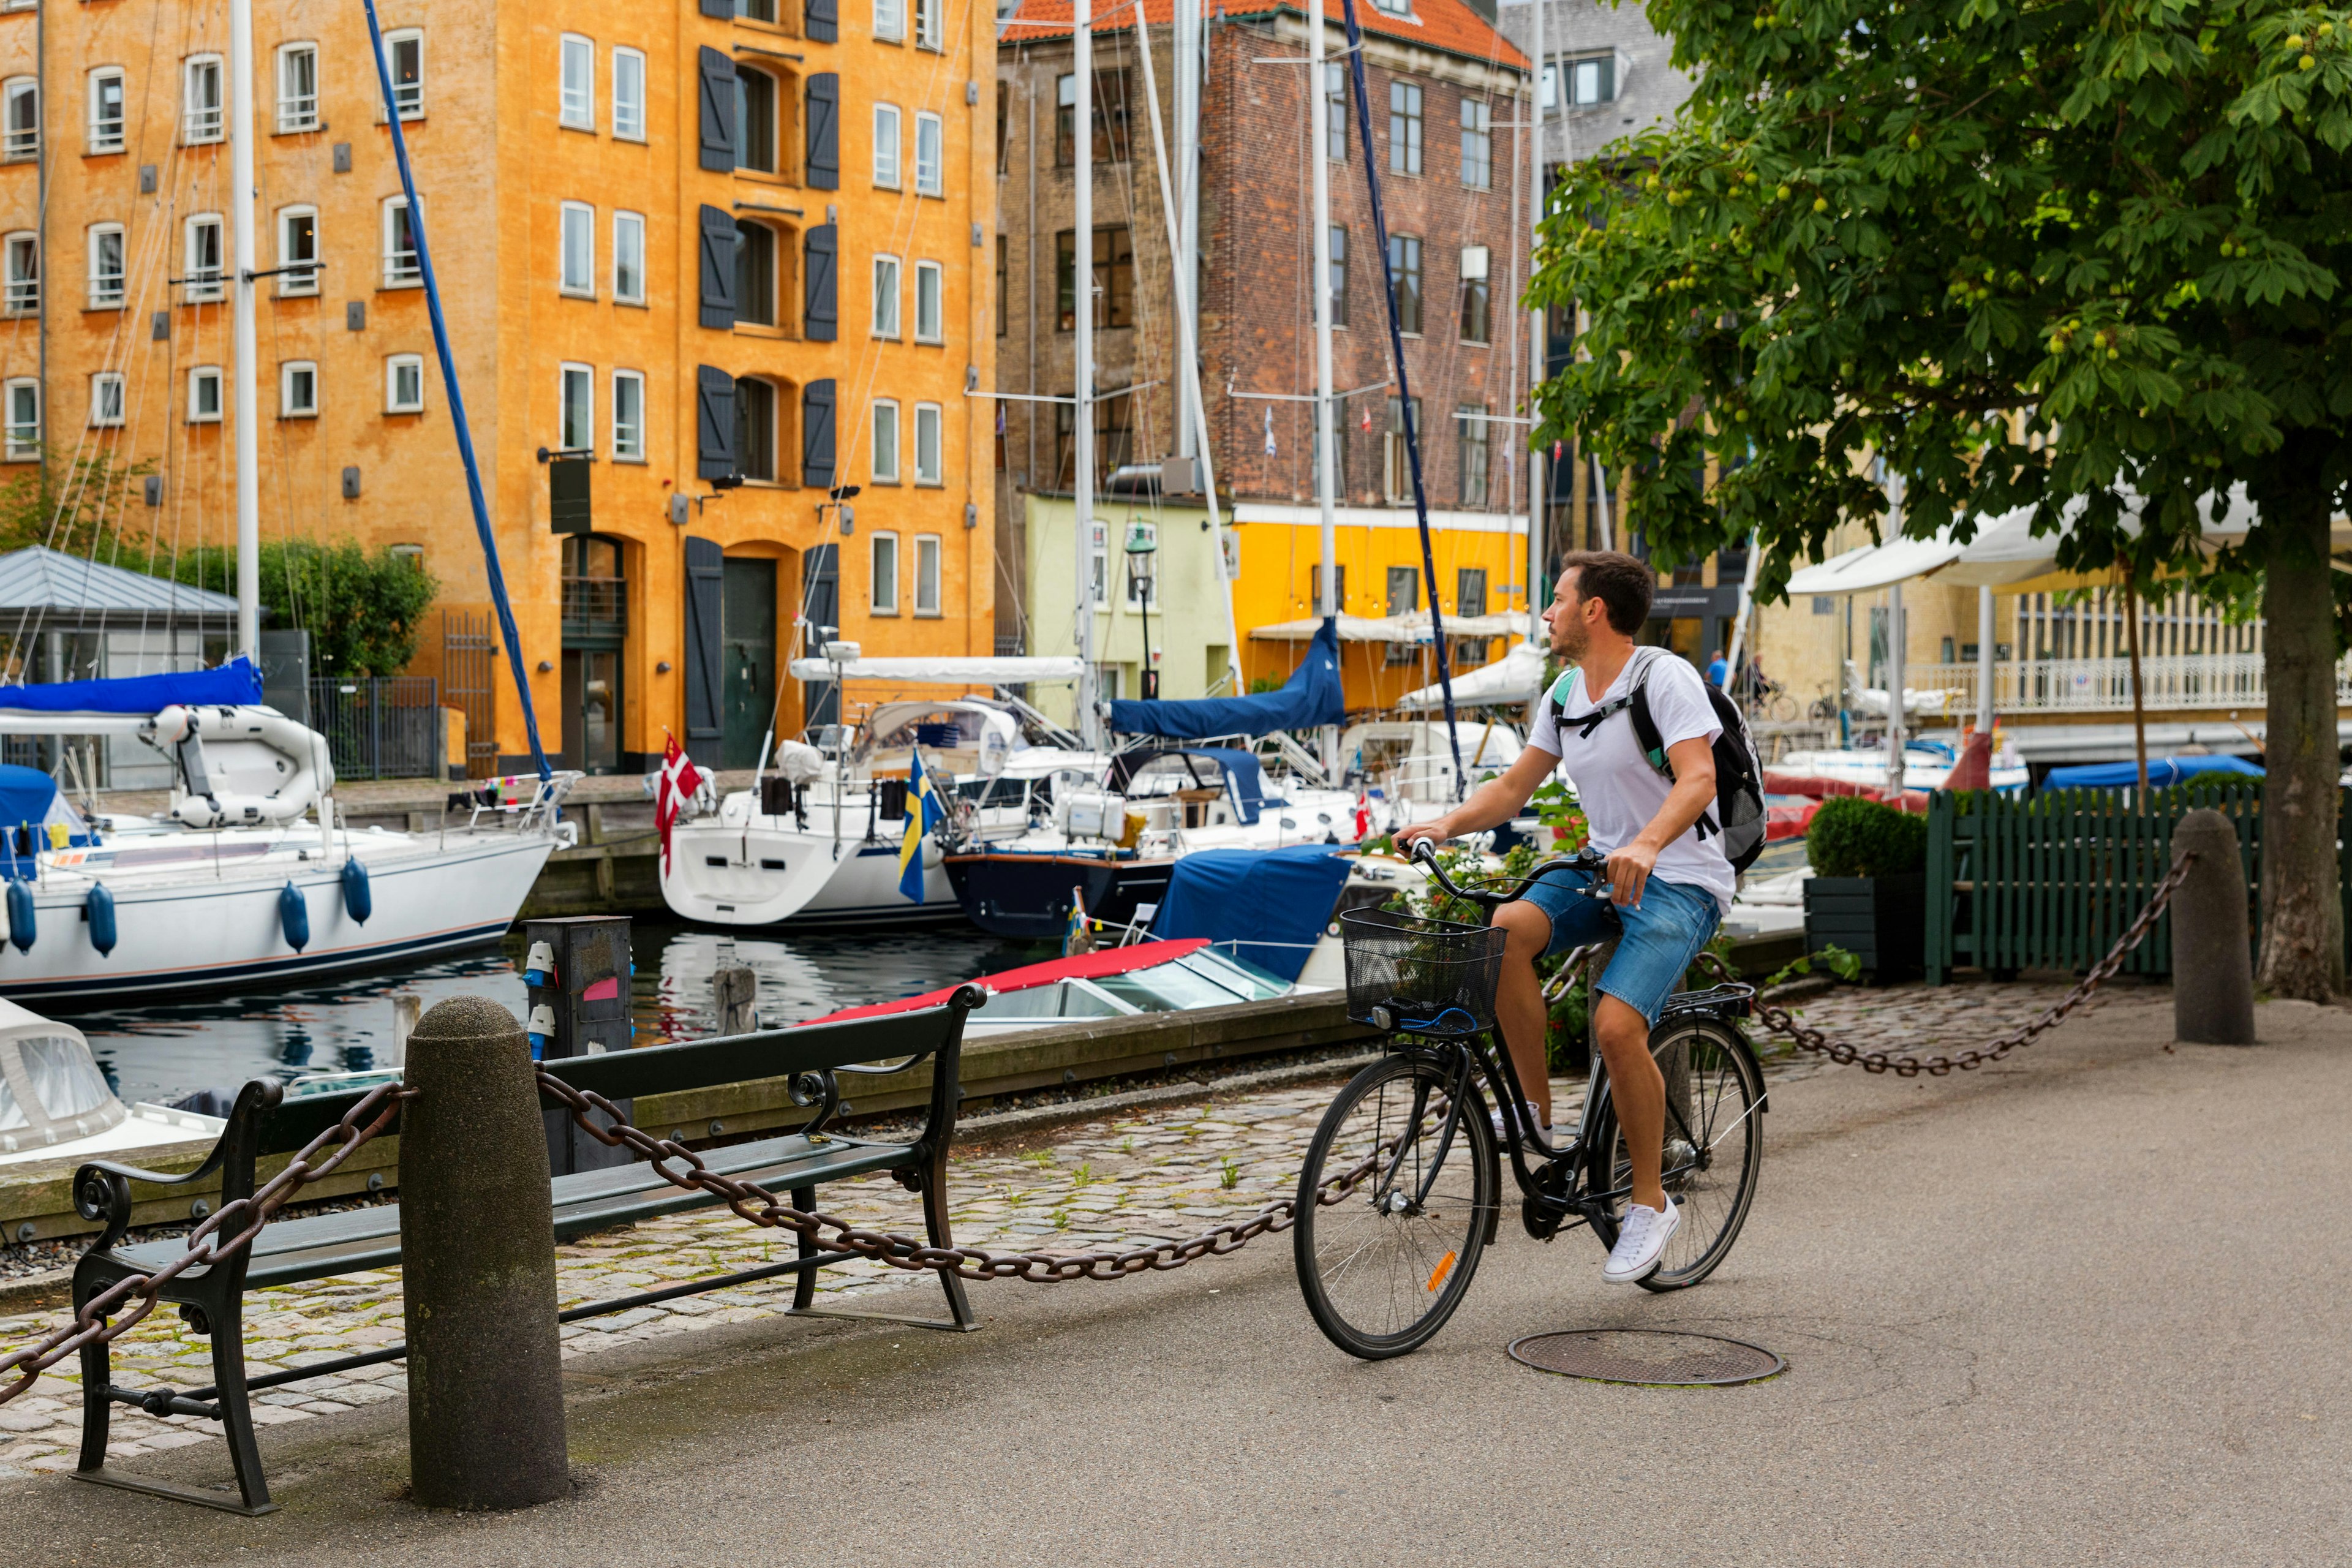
(730, 253)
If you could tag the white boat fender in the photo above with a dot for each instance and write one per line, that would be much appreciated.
(358, 901)
(539, 968)
(22, 920)
(98, 909)
(543, 1028)
(294, 915)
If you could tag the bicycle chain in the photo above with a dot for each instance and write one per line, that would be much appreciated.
(1781, 1021)
(90, 1325)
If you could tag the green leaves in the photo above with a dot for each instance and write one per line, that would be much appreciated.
(2022, 253)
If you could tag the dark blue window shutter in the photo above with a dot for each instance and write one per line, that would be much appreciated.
(718, 268)
(816, 435)
(706, 576)
(820, 307)
(824, 130)
(714, 423)
(820, 599)
(718, 8)
(717, 110)
(821, 20)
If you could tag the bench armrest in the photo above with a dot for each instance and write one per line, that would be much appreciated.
(101, 1188)
(946, 1090)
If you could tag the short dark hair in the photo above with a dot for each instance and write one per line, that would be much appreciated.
(1618, 581)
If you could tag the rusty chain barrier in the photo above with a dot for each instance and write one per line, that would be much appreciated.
(91, 1325)
(1781, 1021)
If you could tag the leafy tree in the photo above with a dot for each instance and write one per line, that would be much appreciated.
(364, 610)
(2039, 253)
(71, 504)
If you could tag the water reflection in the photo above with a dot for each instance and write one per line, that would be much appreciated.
(160, 1052)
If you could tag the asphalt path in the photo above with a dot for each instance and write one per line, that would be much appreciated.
(2086, 1306)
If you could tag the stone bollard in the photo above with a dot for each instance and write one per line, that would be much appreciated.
(2213, 960)
(478, 1246)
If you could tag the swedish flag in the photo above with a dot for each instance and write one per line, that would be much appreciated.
(924, 813)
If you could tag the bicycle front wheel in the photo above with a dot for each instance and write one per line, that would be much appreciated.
(1394, 1205)
(1714, 1148)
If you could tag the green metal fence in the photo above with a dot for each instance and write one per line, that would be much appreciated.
(2049, 881)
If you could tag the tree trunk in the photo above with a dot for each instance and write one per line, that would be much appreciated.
(2303, 912)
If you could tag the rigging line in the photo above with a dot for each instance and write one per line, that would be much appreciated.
(456, 397)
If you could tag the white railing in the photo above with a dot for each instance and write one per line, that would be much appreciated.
(2173, 683)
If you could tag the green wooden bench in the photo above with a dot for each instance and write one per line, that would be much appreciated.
(291, 1251)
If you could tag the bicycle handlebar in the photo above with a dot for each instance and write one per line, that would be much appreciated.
(1587, 859)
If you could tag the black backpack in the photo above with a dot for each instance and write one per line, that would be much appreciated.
(1738, 815)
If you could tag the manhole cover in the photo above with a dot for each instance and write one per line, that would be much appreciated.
(1647, 1356)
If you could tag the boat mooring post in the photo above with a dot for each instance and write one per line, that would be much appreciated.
(2212, 948)
(477, 1251)
(578, 972)
(734, 998)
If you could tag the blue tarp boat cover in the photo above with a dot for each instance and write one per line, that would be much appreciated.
(234, 684)
(1272, 904)
(1310, 697)
(1248, 779)
(30, 807)
(2161, 770)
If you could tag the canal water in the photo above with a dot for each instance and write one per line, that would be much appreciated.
(160, 1052)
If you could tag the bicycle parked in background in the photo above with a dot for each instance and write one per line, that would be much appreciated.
(1400, 1192)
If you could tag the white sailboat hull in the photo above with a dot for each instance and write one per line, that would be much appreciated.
(766, 875)
(196, 931)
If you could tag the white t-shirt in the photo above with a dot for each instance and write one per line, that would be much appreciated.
(1615, 784)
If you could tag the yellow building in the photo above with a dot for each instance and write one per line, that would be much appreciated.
(733, 257)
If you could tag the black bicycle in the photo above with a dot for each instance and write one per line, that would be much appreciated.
(1400, 1195)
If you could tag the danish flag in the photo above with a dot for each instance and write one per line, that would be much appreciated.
(680, 781)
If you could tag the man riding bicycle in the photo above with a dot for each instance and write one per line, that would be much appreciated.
(1669, 882)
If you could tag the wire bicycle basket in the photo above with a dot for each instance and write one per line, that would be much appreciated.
(1407, 974)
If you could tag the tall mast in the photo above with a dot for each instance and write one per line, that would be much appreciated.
(1538, 484)
(1319, 145)
(244, 260)
(1185, 41)
(1082, 292)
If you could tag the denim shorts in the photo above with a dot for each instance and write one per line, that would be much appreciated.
(1658, 942)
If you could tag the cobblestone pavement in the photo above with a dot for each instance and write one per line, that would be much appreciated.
(1158, 1175)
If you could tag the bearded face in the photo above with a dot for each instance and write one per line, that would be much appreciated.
(1570, 639)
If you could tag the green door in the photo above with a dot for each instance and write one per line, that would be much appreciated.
(747, 659)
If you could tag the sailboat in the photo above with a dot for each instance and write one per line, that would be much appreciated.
(250, 872)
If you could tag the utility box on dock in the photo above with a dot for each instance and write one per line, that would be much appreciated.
(578, 971)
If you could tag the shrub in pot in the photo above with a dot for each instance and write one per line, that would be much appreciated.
(1868, 891)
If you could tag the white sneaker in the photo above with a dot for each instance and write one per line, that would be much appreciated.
(1502, 1133)
(1640, 1243)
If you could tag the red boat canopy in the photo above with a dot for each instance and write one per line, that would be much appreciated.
(1092, 965)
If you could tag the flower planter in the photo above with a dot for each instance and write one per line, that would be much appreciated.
(1882, 921)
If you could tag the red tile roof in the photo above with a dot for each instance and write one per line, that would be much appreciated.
(1449, 25)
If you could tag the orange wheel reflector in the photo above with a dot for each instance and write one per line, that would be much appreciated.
(1437, 1275)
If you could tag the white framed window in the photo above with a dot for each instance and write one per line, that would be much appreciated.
(103, 132)
(1590, 80)
(24, 280)
(885, 441)
(930, 28)
(400, 267)
(629, 258)
(890, 20)
(926, 444)
(20, 119)
(885, 146)
(576, 400)
(297, 389)
(884, 562)
(1098, 569)
(576, 96)
(886, 296)
(24, 404)
(105, 266)
(927, 573)
(298, 252)
(628, 417)
(404, 383)
(297, 88)
(629, 95)
(106, 400)
(578, 274)
(404, 51)
(929, 279)
(205, 394)
(201, 119)
(930, 156)
(202, 263)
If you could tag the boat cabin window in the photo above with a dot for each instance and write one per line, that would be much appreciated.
(11, 1114)
(62, 1076)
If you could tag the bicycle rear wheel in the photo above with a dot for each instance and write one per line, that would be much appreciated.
(1393, 1209)
(1714, 1148)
